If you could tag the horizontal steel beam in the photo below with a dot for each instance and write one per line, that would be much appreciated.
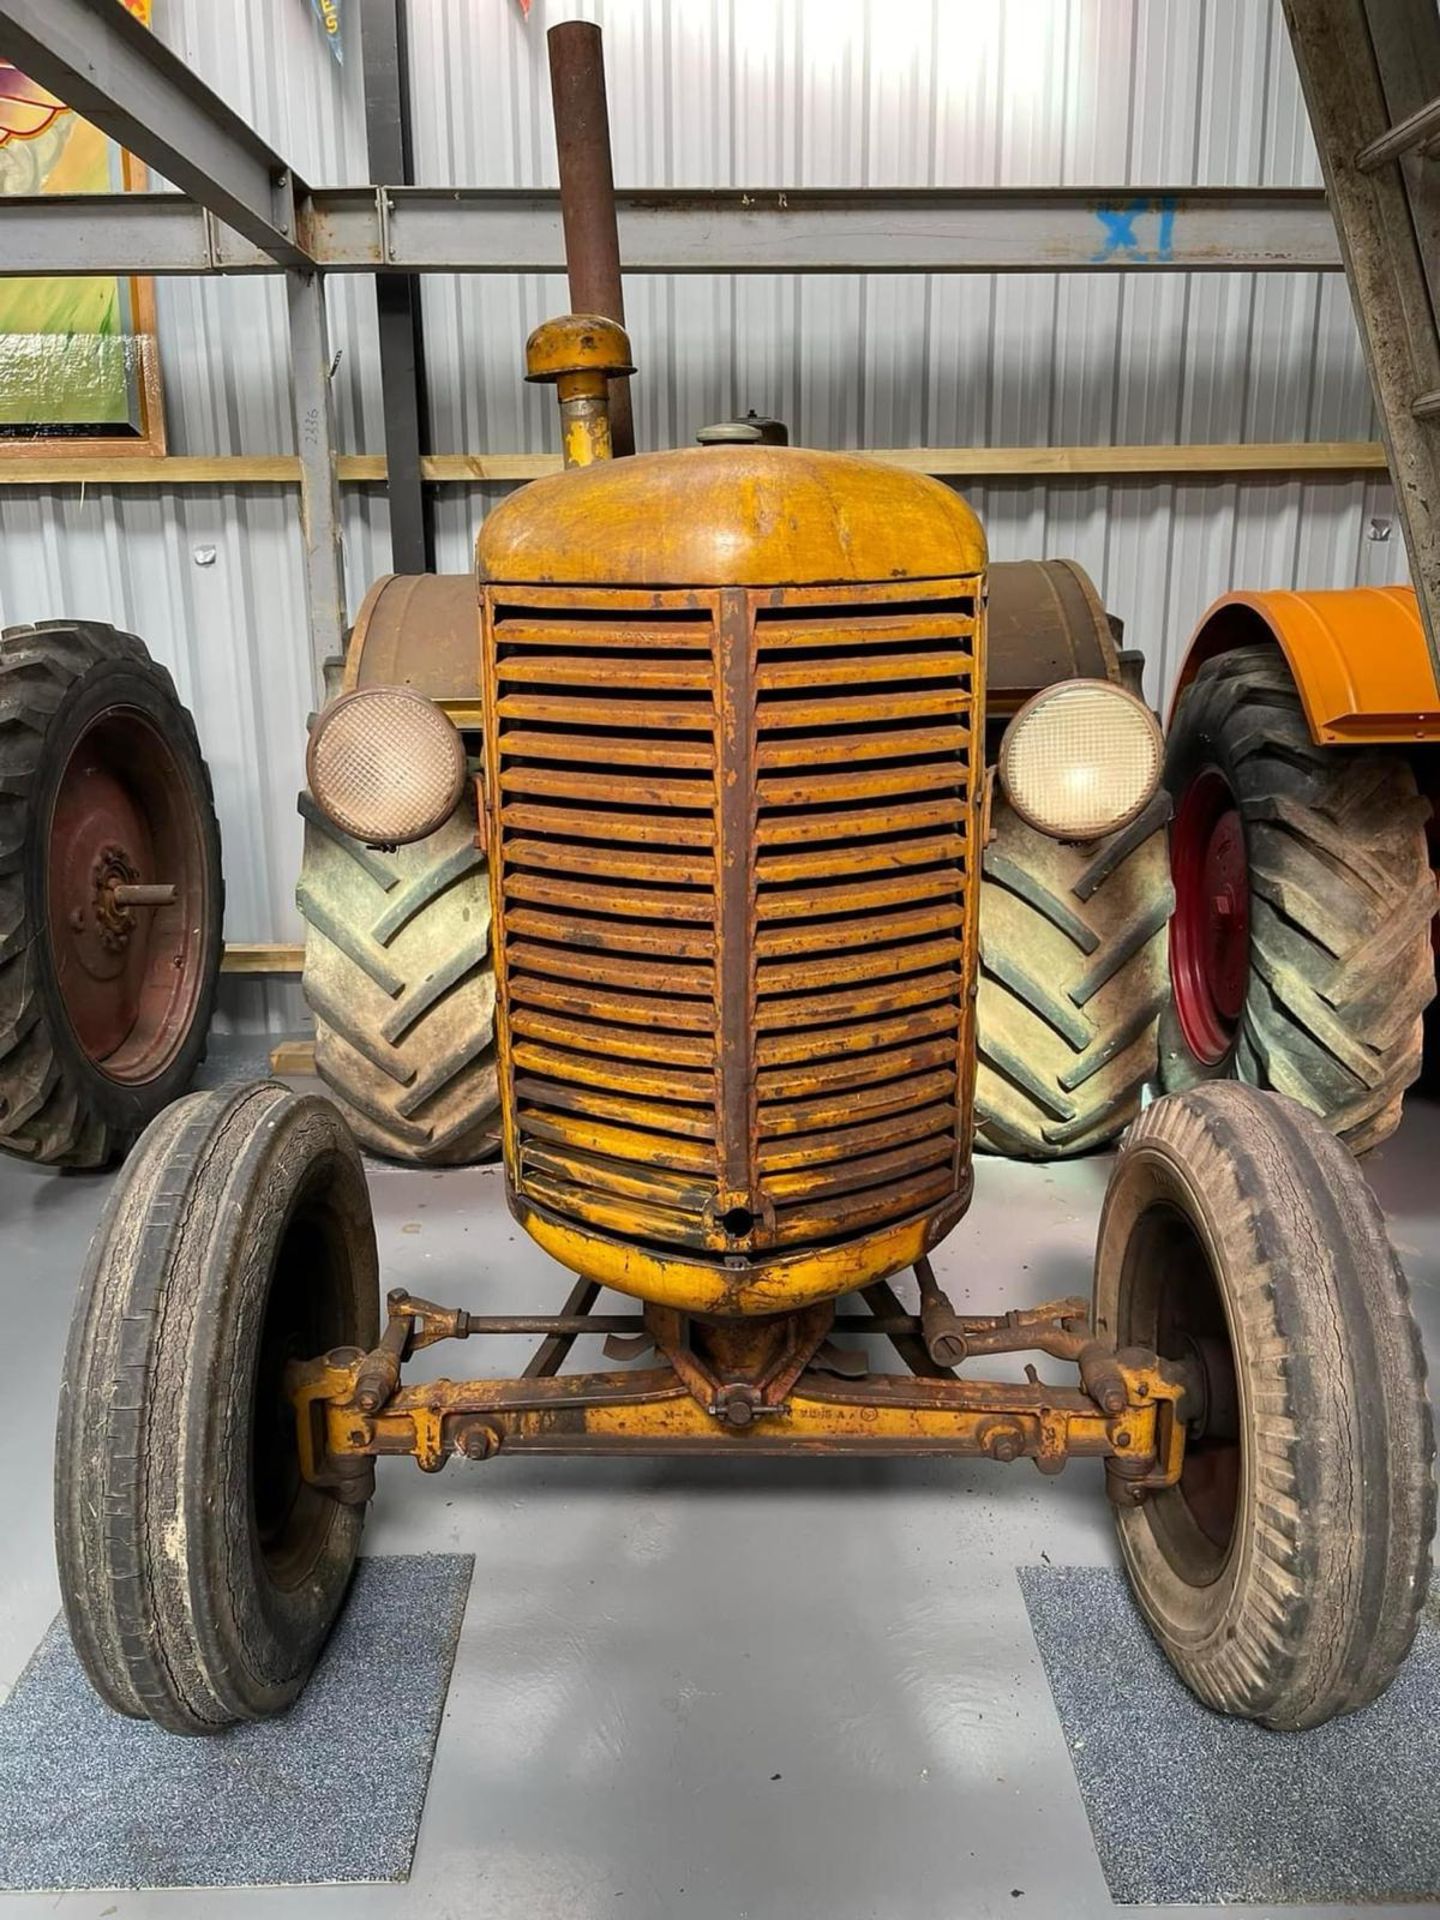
(481, 230)
(98, 58)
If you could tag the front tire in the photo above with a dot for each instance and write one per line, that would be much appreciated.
(1284, 1575)
(1300, 950)
(200, 1573)
(1072, 983)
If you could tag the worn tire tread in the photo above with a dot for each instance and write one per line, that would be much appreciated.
(141, 1572)
(1342, 896)
(399, 977)
(1336, 1539)
(1072, 983)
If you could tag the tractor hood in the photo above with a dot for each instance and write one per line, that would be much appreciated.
(746, 516)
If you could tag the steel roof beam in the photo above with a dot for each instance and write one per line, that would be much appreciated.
(98, 58)
(482, 230)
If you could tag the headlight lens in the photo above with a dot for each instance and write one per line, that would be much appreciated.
(386, 765)
(1081, 759)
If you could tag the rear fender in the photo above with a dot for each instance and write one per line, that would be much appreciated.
(1358, 656)
(1045, 622)
(420, 630)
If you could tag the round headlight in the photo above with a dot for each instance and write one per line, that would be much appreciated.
(386, 765)
(1081, 759)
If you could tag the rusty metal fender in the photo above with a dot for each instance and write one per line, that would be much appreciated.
(1358, 656)
(420, 630)
(1045, 622)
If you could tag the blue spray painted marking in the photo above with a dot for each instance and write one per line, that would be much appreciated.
(1118, 229)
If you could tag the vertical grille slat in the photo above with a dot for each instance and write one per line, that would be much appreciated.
(734, 863)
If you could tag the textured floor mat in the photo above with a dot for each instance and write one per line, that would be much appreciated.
(1186, 1805)
(333, 1791)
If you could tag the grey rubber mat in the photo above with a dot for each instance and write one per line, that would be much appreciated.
(332, 1791)
(1186, 1805)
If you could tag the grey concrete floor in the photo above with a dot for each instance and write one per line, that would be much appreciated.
(738, 1689)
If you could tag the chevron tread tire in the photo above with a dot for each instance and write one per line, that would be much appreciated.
(1072, 983)
(398, 975)
(59, 1106)
(1284, 1576)
(1341, 896)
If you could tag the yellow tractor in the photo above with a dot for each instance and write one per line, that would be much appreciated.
(734, 802)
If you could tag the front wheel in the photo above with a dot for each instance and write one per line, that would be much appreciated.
(1283, 1576)
(201, 1573)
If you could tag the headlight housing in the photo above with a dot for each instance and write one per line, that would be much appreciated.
(1081, 759)
(386, 765)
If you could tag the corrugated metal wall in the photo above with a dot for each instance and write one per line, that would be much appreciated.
(740, 92)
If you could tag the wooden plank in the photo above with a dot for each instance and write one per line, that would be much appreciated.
(452, 469)
(261, 956)
(268, 469)
(293, 1056)
(168, 470)
(1285, 456)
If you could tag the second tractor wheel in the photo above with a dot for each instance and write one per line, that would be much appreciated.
(1300, 951)
(111, 898)
(1285, 1573)
(201, 1572)
(1072, 982)
(399, 977)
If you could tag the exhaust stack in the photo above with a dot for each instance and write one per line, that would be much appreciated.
(587, 196)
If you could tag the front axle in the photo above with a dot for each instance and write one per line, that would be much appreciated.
(779, 1386)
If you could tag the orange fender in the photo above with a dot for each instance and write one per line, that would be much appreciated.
(1359, 656)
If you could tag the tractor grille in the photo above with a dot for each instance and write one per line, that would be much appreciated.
(734, 844)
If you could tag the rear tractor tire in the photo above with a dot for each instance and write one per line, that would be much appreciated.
(1300, 950)
(1284, 1575)
(1072, 983)
(201, 1573)
(105, 1000)
(398, 975)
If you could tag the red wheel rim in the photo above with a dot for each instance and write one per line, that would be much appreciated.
(1210, 933)
(129, 974)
